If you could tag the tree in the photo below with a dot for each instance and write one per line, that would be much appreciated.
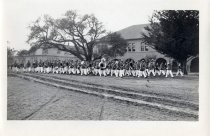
(10, 56)
(174, 33)
(73, 33)
(112, 45)
(22, 53)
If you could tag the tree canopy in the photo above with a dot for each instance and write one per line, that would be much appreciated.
(73, 33)
(10, 56)
(112, 45)
(174, 33)
(22, 52)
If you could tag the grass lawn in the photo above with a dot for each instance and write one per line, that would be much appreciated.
(184, 87)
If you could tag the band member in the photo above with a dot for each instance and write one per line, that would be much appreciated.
(21, 67)
(78, 65)
(121, 69)
(71, 66)
(94, 68)
(147, 68)
(157, 69)
(116, 68)
(143, 68)
(14, 66)
(17, 67)
(55, 67)
(74, 70)
(48, 68)
(108, 69)
(113, 68)
(169, 70)
(28, 66)
(102, 66)
(127, 72)
(34, 66)
(90, 67)
(66, 67)
(45, 66)
(39, 66)
(83, 68)
(51, 66)
(138, 69)
(134, 71)
(179, 70)
(61, 68)
(24, 67)
(151, 67)
(163, 68)
(131, 66)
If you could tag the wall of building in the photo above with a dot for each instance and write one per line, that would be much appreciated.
(137, 50)
(46, 54)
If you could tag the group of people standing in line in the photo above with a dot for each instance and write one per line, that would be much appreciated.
(101, 67)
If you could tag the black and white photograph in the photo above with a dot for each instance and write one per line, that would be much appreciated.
(88, 60)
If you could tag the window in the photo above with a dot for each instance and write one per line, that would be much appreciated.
(129, 49)
(58, 52)
(133, 48)
(146, 48)
(142, 48)
(45, 51)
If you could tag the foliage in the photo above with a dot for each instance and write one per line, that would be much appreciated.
(73, 33)
(10, 56)
(174, 33)
(22, 53)
(112, 45)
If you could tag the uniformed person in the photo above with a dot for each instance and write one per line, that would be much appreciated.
(179, 70)
(143, 68)
(157, 69)
(83, 68)
(163, 68)
(151, 67)
(102, 65)
(169, 70)
(28, 66)
(121, 69)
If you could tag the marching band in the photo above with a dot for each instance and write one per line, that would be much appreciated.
(117, 68)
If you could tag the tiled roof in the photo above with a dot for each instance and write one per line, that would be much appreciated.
(132, 32)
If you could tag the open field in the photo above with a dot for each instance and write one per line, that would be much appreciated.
(184, 87)
(32, 100)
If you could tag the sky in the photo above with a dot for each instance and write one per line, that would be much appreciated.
(115, 14)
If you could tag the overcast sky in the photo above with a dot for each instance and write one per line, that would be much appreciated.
(115, 14)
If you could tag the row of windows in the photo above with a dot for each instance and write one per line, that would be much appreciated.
(131, 48)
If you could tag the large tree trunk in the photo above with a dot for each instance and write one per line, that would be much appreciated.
(184, 62)
(89, 58)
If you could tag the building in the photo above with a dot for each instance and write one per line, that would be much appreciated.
(137, 50)
(45, 54)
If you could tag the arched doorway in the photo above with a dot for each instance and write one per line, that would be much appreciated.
(160, 60)
(194, 66)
